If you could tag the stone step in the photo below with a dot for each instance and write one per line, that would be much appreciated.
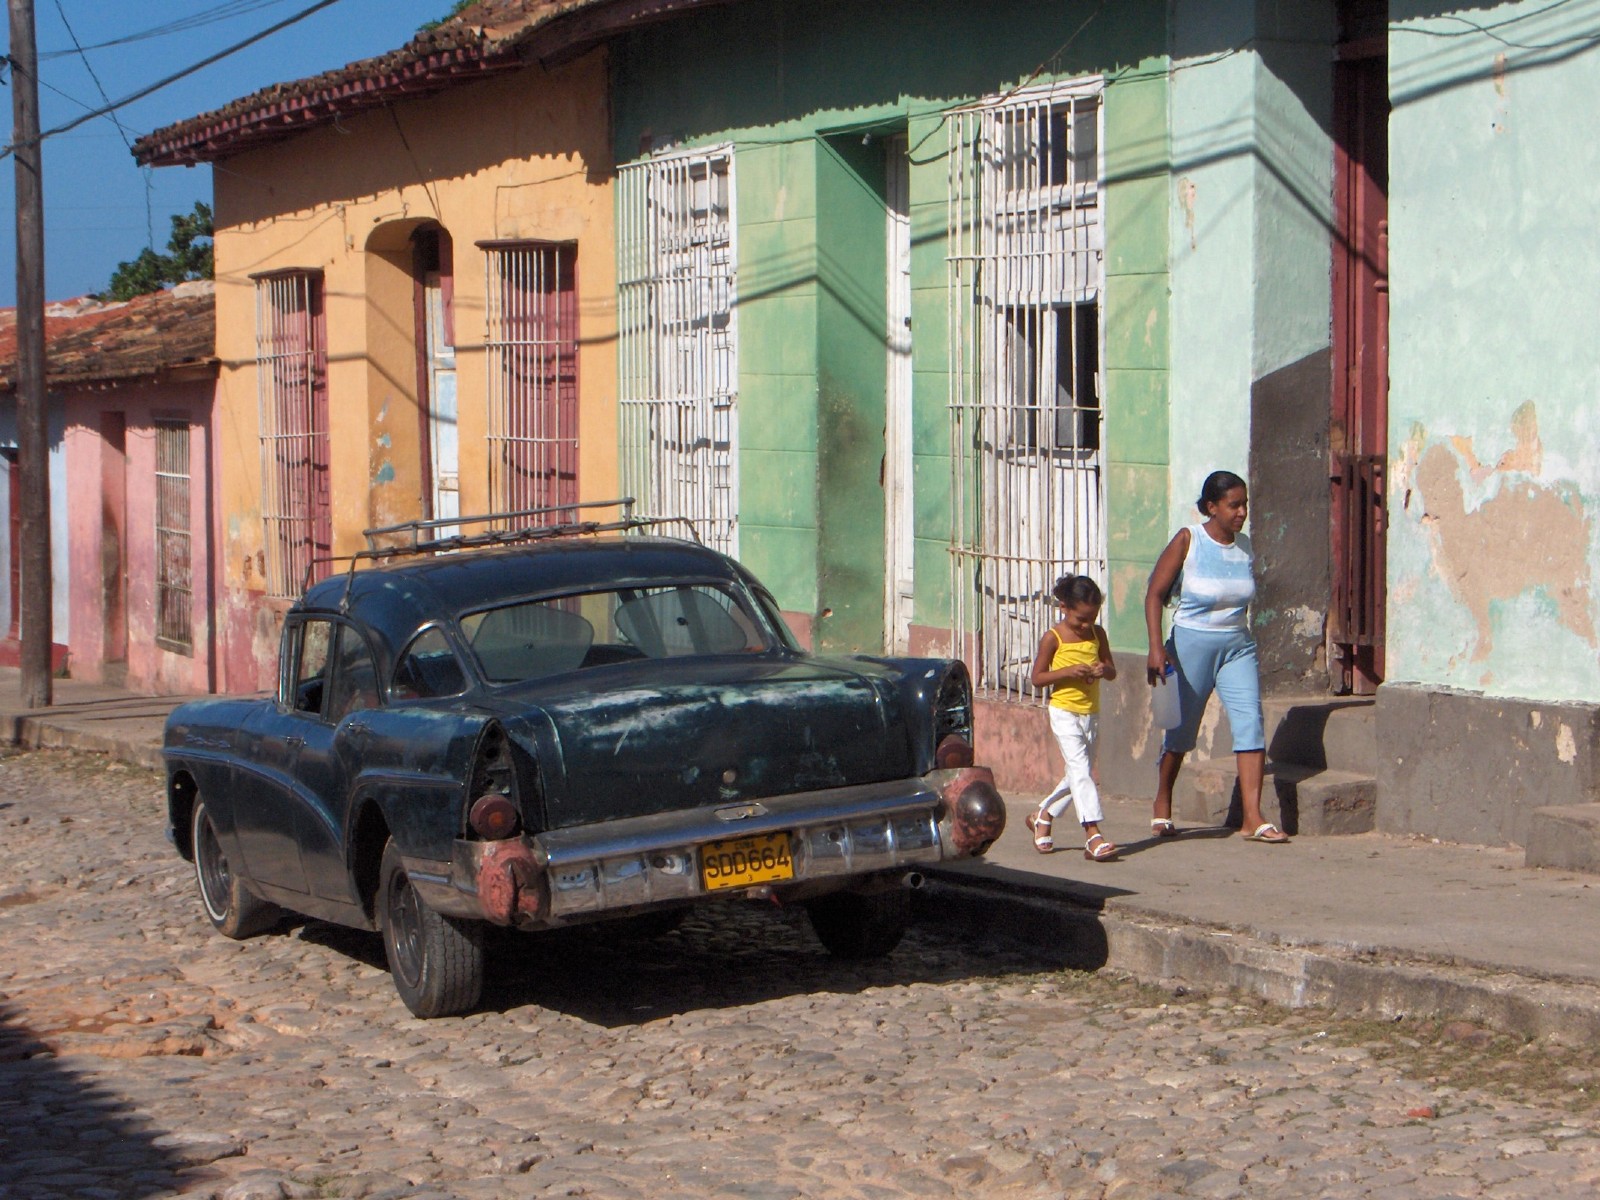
(1322, 731)
(1566, 837)
(1303, 801)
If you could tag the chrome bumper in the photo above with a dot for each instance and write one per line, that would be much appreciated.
(572, 873)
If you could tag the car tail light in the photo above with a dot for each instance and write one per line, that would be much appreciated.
(954, 751)
(493, 816)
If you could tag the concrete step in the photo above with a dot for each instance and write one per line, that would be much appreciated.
(1565, 836)
(1303, 801)
(1322, 731)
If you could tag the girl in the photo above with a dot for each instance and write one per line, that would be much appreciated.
(1211, 646)
(1073, 658)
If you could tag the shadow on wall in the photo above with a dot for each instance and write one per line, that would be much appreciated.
(71, 1135)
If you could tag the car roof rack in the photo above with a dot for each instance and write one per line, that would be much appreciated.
(444, 534)
(506, 528)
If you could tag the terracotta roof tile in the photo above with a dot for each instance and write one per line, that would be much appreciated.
(87, 341)
(483, 39)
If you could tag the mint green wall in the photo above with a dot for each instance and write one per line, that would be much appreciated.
(795, 86)
(775, 205)
(1136, 361)
(1495, 499)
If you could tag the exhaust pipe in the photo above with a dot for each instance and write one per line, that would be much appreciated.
(912, 880)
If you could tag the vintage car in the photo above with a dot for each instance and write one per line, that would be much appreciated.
(567, 729)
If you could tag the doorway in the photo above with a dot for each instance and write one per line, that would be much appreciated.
(113, 543)
(899, 526)
(1359, 432)
(436, 377)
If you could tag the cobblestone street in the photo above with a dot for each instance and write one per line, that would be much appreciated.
(143, 1055)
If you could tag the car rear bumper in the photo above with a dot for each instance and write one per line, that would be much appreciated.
(836, 834)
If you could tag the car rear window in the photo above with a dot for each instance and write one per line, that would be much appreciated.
(537, 638)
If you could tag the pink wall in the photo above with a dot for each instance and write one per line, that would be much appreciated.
(98, 518)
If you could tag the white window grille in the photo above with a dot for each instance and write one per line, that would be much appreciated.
(532, 346)
(174, 564)
(1026, 240)
(679, 332)
(292, 373)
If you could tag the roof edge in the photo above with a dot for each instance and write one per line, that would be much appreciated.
(427, 64)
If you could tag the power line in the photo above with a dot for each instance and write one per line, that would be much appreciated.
(177, 75)
(222, 12)
(149, 214)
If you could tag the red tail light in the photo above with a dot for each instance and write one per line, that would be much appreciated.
(493, 817)
(955, 751)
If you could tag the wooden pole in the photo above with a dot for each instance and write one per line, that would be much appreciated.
(32, 427)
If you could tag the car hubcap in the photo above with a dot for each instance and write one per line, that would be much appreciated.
(405, 930)
(216, 883)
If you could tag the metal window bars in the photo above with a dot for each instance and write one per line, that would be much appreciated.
(532, 345)
(291, 375)
(1024, 260)
(174, 534)
(677, 297)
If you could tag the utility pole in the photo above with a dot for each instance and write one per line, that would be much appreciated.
(32, 437)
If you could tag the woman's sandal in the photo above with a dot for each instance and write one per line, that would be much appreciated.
(1105, 851)
(1269, 833)
(1163, 827)
(1039, 824)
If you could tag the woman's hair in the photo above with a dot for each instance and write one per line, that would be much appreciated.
(1073, 590)
(1217, 485)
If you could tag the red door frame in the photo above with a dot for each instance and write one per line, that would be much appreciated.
(1359, 431)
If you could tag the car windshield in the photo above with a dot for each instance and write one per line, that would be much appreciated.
(535, 638)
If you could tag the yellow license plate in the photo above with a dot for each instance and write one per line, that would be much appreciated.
(739, 862)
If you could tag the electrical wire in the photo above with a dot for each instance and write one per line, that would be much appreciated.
(210, 16)
(149, 209)
(177, 75)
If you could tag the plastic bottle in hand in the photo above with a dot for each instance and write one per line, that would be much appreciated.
(1164, 706)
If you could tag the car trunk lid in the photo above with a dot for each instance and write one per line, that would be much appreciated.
(642, 738)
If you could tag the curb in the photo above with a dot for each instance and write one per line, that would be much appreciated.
(45, 733)
(1164, 953)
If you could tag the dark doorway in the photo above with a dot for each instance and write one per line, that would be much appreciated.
(1359, 431)
(113, 541)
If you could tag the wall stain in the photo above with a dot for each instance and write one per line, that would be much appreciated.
(1527, 536)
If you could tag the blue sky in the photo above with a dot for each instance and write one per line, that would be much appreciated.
(101, 208)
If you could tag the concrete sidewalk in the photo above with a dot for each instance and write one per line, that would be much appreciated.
(1361, 924)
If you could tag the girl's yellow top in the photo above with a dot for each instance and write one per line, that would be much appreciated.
(1075, 695)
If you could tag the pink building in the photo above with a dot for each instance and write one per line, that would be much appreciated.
(131, 391)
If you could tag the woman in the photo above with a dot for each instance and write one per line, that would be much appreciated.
(1211, 647)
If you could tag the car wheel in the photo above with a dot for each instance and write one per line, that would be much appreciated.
(231, 907)
(436, 961)
(860, 925)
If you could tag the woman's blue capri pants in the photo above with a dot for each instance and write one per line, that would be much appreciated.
(1220, 660)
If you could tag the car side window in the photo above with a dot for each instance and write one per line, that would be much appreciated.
(310, 643)
(355, 677)
(428, 668)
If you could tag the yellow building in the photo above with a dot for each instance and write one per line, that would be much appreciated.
(416, 301)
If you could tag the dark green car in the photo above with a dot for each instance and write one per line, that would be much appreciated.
(571, 729)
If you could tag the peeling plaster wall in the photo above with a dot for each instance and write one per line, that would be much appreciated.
(1495, 464)
(1493, 653)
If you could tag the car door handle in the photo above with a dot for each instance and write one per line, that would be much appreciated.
(358, 729)
(294, 740)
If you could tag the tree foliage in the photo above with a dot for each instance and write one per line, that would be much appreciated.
(188, 257)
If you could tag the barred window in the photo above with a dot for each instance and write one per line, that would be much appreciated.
(1026, 243)
(174, 538)
(678, 298)
(532, 346)
(292, 384)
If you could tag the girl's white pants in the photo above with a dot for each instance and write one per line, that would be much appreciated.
(1075, 733)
